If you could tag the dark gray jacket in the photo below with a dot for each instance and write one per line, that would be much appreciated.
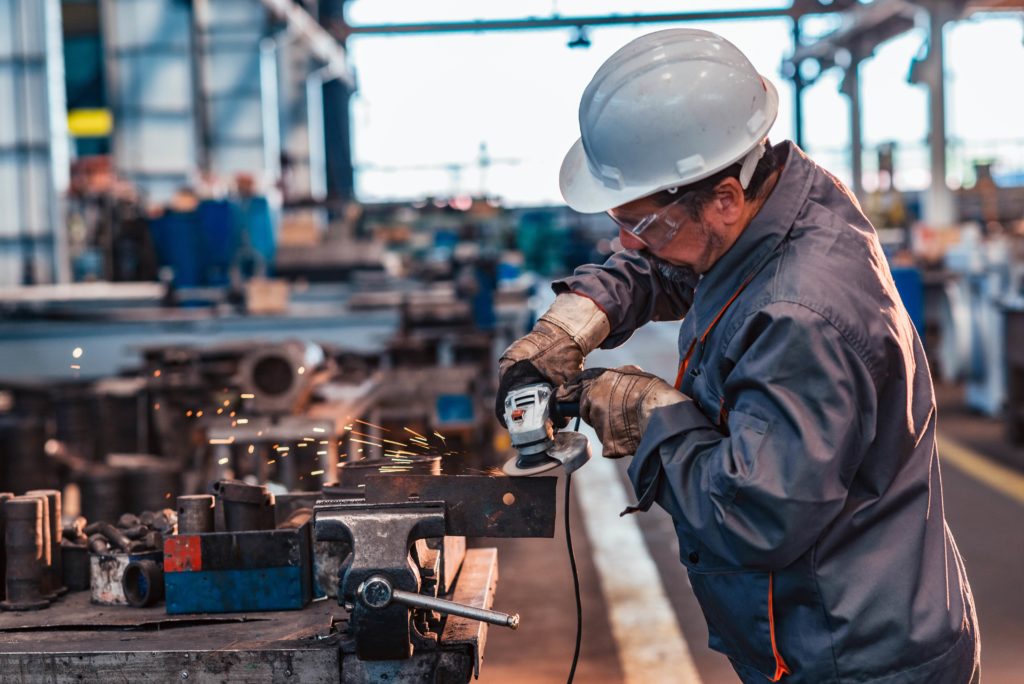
(803, 476)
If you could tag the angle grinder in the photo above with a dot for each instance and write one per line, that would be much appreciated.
(531, 414)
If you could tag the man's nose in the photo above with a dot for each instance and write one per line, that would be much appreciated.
(628, 240)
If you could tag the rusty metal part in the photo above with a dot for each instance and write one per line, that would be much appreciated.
(128, 520)
(114, 536)
(246, 507)
(143, 583)
(98, 544)
(195, 514)
(24, 541)
(135, 533)
(75, 532)
(477, 505)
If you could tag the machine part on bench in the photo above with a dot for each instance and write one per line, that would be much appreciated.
(143, 583)
(486, 506)
(25, 553)
(195, 514)
(246, 507)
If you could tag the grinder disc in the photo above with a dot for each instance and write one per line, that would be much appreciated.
(513, 469)
(570, 449)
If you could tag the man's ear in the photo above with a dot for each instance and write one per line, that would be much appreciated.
(729, 200)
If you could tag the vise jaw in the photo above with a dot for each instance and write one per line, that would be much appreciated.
(381, 537)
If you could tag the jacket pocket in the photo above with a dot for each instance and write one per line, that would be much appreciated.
(739, 611)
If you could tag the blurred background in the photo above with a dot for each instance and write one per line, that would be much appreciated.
(226, 225)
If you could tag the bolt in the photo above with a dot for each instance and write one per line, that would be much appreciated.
(376, 592)
(184, 674)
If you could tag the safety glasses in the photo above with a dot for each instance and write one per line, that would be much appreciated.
(652, 224)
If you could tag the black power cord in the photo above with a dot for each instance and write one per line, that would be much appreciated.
(575, 576)
(575, 584)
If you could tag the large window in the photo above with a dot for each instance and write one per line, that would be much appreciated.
(494, 113)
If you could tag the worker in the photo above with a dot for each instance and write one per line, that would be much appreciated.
(796, 449)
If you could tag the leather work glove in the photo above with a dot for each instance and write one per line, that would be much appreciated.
(618, 403)
(554, 350)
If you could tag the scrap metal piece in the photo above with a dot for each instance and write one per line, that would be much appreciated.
(477, 505)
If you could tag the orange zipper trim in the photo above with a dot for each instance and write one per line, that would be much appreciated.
(693, 345)
(780, 665)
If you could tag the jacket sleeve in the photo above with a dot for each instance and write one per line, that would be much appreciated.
(631, 291)
(759, 490)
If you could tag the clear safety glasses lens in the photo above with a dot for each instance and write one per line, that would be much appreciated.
(656, 227)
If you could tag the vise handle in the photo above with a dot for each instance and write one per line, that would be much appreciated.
(376, 592)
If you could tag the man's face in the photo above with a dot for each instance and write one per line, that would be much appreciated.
(672, 233)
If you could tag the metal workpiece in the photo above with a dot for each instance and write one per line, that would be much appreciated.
(377, 593)
(196, 514)
(55, 569)
(476, 505)
(24, 544)
(246, 507)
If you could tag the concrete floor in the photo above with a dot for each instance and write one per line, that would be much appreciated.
(536, 582)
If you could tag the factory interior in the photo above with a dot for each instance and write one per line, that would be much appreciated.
(259, 261)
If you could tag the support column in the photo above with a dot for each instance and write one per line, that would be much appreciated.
(151, 88)
(798, 90)
(337, 95)
(851, 88)
(34, 154)
(939, 205)
(238, 88)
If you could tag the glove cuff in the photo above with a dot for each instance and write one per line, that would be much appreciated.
(659, 394)
(580, 318)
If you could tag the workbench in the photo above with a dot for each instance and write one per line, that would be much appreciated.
(77, 641)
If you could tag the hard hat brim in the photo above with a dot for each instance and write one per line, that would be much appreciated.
(587, 194)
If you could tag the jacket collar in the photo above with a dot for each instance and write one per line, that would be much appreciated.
(762, 236)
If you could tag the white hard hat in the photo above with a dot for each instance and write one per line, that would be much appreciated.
(668, 109)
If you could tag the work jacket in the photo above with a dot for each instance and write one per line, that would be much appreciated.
(802, 474)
